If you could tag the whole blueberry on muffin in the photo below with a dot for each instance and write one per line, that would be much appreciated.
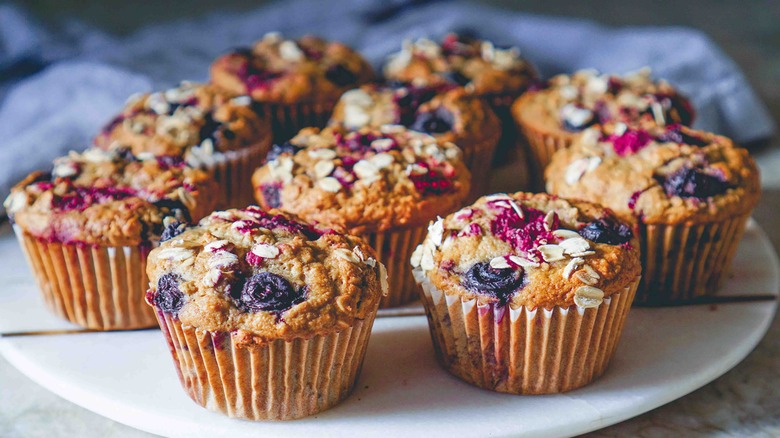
(383, 184)
(250, 284)
(525, 293)
(296, 81)
(88, 225)
(494, 74)
(690, 192)
(551, 116)
(446, 113)
(200, 124)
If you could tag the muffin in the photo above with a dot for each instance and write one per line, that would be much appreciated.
(550, 117)
(87, 228)
(384, 185)
(266, 317)
(200, 124)
(496, 75)
(527, 294)
(296, 82)
(446, 113)
(689, 192)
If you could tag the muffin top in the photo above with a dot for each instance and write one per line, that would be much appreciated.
(665, 175)
(477, 65)
(265, 275)
(195, 121)
(572, 103)
(364, 181)
(529, 250)
(109, 198)
(447, 113)
(279, 70)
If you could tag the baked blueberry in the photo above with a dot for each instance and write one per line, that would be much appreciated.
(434, 122)
(499, 283)
(692, 182)
(606, 231)
(269, 292)
(169, 297)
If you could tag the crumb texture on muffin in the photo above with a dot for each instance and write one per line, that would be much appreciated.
(109, 198)
(477, 65)
(364, 181)
(266, 275)
(447, 113)
(572, 103)
(289, 71)
(668, 175)
(530, 250)
(195, 121)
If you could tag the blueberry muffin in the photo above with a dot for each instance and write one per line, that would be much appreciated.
(551, 116)
(446, 113)
(87, 226)
(382, 184)
(266, 317)
(296, 82)
(527, 294)
(690, 193)
(203, 126)
(496, 75)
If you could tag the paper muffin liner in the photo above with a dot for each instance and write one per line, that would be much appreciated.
(97, 287)
(287, 120)
(478, 158)
(394, 248)
(540, 146)
(278, 380)
(683, 262)
(232, 170)
(507, 154)
(524, 351)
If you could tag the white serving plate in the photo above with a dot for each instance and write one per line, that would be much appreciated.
(664, 354)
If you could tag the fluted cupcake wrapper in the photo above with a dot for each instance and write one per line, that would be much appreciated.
(96, 287)
(683, 262)
(524, 351)
(287, 120)
(394, 248)
(279, 380)
(232, 170)
(506, 152)
(540, 146)
(478, 158)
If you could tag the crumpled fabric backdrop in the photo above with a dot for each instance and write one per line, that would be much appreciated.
(58, 87)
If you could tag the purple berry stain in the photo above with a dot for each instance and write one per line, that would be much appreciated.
(524, 234)
(269, 292)
(81, 198)
(271, 194)
(630, 142)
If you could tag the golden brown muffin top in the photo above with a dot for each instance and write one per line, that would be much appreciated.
(666, 175)
(266, 275)
(195, 121)
(477, 65)
(522, 249)
(109, 198)
(278, 70)
(363, 181)
(572, 103)
(447, 113)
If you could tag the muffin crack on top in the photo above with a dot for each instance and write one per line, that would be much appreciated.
(266, 275)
